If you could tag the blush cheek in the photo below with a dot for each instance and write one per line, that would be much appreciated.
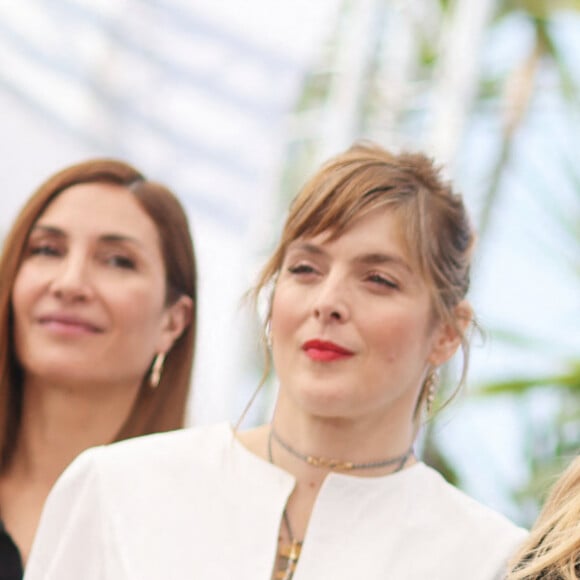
(284, 314)
(24, 297)
(138, 320)
(285, 322)
(134, 310)
(22, 292)
(397, 339)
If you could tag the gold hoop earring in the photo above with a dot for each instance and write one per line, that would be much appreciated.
(430, 385)
(156, 370)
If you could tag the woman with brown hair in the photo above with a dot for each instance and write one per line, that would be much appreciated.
(97, 323)
(552, 551)
(366, 293)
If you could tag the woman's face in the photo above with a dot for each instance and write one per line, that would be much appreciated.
(352, 325)
(89, 297)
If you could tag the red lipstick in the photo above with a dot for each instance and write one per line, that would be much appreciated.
(325, 351)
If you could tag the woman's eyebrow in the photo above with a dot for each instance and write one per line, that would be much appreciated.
(116, 238)
(372, 258)
(379, 258)
(52, 230)
(306, 247)
(110, 238)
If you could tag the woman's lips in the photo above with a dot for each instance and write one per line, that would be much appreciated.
(68, 325)
(325, 351)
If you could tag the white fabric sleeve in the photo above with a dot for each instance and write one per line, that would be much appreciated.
(72, 542)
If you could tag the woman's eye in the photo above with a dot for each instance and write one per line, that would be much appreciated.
(119, 261)
(382, 281)
(44, 250)
(301, 269)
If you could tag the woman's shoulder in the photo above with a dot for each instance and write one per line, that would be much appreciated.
(171, 443)
(461, 510)
(159, 455)
(477, 539)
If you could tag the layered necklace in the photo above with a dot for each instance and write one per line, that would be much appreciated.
(288, 554)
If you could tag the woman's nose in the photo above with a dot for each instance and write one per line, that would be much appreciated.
(70, 282)
(331, 303)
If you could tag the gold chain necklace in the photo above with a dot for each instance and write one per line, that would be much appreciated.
(290, 553)
(337, 464)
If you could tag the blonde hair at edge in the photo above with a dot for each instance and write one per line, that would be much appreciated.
(433, 219)
(552, 550)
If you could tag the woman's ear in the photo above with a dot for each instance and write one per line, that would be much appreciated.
(177, 317)
(449, 335)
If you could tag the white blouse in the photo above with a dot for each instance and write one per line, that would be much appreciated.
(195, 504)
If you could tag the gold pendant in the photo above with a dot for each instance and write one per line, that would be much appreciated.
(291, 553)
(336, 464)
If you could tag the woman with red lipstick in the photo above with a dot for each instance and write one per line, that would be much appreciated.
(369, 282)
(98, 291)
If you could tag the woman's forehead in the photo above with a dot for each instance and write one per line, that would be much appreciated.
(383, 220)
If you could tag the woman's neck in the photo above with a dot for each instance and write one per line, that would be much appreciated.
(58, 423)
(357, 441)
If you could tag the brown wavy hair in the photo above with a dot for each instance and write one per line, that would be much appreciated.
(161, 409)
